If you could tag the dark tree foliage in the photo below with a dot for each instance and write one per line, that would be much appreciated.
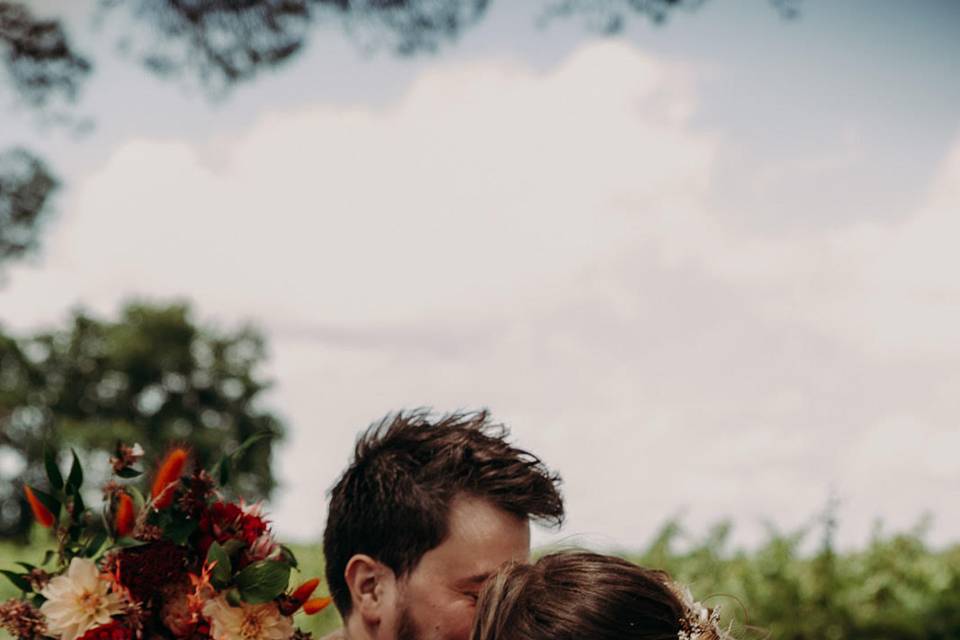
(41, 68)
(409, 26)
(221, 41)
(152, 377)
(39, 61)
(224, 42)
(25, 187)
(611, 16)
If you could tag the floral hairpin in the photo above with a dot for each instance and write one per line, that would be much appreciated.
(699, 622)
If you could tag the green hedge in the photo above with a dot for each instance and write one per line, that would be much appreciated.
(798, 588)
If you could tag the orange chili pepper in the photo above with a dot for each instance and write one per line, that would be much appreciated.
(40, 511)
(316, 605)
(169, 472)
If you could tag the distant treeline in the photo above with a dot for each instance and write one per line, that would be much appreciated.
(896, 588)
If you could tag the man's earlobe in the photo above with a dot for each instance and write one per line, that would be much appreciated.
(372, 589)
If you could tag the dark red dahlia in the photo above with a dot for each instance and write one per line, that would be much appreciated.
(225, 521)
(147, 569)
(114, 630)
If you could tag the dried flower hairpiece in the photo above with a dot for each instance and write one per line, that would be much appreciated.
(699, 622)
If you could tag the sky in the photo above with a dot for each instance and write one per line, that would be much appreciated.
(704, 270)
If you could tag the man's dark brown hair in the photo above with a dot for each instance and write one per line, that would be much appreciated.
(393, 501)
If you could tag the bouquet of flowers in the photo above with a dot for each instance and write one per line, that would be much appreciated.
(177, 562)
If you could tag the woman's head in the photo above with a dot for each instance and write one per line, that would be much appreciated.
(587, 596)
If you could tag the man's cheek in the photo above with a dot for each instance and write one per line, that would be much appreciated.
(462, 624)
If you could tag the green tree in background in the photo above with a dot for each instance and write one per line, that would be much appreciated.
(152, 376)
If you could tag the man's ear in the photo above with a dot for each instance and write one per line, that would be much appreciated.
(373, 590)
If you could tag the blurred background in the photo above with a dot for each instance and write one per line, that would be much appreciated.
(698, 256)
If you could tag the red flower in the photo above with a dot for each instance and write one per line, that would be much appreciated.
(225, 521)
(168, 474)
(114, 630)
(125, 515)
(40, 511)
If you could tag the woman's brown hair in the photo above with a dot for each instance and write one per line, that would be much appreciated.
(584, 596)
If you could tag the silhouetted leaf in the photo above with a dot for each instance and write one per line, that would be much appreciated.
(19, 580)
(53, 471)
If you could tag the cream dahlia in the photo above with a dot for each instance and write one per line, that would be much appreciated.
(79, 600)
(247, 621)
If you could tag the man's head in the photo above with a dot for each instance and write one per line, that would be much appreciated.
(425, 512)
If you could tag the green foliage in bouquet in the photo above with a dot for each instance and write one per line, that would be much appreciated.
(176, 560)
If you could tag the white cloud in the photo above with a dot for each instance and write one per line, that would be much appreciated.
(541, 244)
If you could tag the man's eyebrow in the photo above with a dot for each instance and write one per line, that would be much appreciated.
(474, 580)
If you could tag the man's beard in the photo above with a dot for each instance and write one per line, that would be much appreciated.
(406, 627)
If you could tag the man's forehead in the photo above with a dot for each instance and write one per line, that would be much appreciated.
(466, 567)
(481, 538)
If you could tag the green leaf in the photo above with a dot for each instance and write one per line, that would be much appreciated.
(74, 532)
(128, 543)
(288, 556)
(263, 581)
(233, 547)
(27, 566)
(19, 580)
(129, 472)
(78, 505)
(53, 470)
(75, 479)
(94, 544)
(180, 530)
(138, 498)
(48, 556)
(249, 442)
(233, 598)
(223, 471)
(220, 574)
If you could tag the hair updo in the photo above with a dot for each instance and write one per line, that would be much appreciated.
(588, 596)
